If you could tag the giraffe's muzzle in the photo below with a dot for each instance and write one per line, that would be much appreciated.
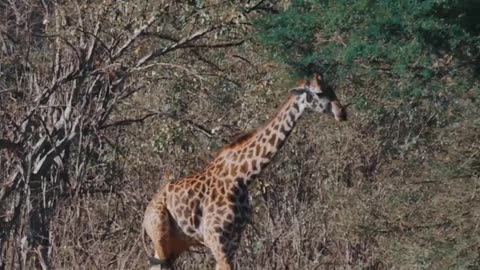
(339, 111)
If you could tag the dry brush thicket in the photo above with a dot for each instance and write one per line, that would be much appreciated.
(102, 102)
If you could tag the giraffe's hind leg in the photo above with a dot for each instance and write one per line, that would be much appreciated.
(158, 225)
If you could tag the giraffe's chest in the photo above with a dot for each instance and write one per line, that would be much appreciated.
(229, 209)
(200, 208)
(239, 201)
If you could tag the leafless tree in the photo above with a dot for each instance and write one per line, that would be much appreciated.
(65, 66)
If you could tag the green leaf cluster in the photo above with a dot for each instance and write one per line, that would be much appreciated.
(415, 46)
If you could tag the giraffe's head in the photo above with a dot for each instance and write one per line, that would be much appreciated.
(320, 97)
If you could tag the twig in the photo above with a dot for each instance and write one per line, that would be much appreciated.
(177, 45)
(199, 128)
(126, 122)
(8, 187)
(187, 70)
(243, 58)
(6, 144)
(205, 45)
(134, 36)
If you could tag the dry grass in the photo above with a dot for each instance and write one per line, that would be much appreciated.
(390, 189)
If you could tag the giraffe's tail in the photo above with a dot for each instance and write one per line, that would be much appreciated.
(143, 241)
(157, 264)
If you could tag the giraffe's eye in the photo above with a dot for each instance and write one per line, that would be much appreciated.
(321, 95)
(328, 107)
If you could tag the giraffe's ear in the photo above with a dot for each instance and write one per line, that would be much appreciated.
(297, 91)
(317, 83)
(303, 83)
(317, 76)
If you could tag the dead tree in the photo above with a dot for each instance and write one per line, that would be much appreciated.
(64, 69)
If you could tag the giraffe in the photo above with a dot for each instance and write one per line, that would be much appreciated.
(211, 208)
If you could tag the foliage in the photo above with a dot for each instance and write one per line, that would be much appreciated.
(416, 47)
(414, 66)
(395, 187)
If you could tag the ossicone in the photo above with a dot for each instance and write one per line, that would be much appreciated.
(297, 91)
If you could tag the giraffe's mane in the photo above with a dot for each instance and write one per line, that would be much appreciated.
(246, 135)
(241, 137)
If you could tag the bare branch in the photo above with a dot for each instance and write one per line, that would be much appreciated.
(80, 22)
(6, 144)
(199, 128)
(93, 43)
(218, 45)
(179, 44)
(126, 122)
(187, 70)
(259, 6)
(10, 184)
(132, 38)
(205, 45)
(47, 160)
(160, 36)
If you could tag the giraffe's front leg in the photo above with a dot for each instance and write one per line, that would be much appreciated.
(223, 245)
(224, 234)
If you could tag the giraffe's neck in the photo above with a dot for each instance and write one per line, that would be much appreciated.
(245, 159)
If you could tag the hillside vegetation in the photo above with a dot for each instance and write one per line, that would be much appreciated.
(102, 102)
